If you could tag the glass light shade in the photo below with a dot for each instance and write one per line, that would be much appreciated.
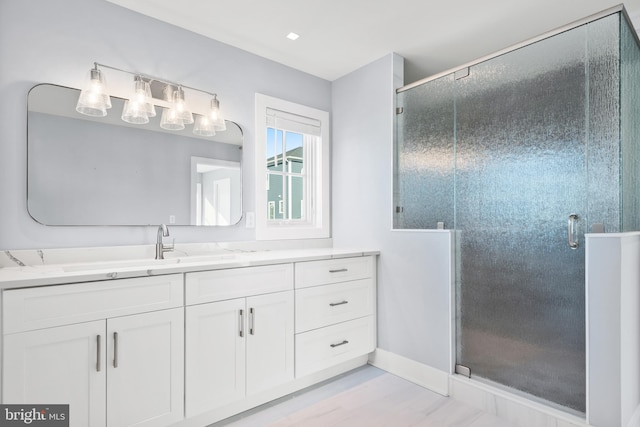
(216, 116)
(181, 106)
(204, 126)
(142, 95)
(94, 99)
(139, 107)
(171, 120)
(135, 112)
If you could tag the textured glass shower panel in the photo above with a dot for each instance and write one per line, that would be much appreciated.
(424, 191)
(520, 172)
(630, 129)
(604, 123)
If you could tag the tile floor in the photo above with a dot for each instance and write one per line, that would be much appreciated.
(367, 397)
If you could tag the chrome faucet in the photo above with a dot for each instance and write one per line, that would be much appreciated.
(161, 248)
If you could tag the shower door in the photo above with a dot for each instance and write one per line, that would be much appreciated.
(521, 201)
(520, 155)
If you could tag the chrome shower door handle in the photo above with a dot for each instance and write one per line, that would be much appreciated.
(573, 238)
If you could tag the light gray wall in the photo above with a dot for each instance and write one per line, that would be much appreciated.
(57, 42)
(414, 266)
(44, 41)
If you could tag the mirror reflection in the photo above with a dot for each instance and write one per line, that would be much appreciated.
(103, 171)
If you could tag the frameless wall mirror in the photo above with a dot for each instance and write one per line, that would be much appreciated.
(103, 171)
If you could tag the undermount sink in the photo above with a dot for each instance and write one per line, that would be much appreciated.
(146, 263)
(119, 264)
(206, 258)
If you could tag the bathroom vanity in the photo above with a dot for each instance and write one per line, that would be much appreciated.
(183, 341)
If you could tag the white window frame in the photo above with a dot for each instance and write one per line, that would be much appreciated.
(318, 224)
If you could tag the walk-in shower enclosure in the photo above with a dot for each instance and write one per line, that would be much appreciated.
(522, 153)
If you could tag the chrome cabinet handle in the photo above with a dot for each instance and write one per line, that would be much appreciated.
(340, 270)
(115, 349)
(339, 344)
(252, 319)
(573, 238)
(241, 323)
(333, 304)
(98, 339)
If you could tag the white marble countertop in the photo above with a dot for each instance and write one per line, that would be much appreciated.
(43, 274)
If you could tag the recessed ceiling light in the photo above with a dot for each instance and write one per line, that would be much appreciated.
(292, 36)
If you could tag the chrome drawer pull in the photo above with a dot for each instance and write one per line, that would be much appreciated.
(333, 304)
(252, 321)
(115, 349)
(339, 344)
(241, 323)
(340, 270)
(98, 358)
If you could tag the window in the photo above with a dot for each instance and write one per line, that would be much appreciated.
(292, 166)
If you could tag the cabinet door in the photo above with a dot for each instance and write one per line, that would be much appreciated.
(145, 380)
(215, 355)
(62, 365)
(269, 341)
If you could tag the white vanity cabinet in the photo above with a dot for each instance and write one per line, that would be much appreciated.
(145, 369)
(270, 357)
(335, 312)
(59, 366)
(189, 347)
(112, 350)
(239, 334)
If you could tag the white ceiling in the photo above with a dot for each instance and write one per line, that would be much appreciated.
(339, 36)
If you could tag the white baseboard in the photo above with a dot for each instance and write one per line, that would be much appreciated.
(416, 372)
(517, 410)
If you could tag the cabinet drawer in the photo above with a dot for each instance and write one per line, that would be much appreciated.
(320, 306)
(326, 347)
(313, 273)
(44, 307)
(219, 285)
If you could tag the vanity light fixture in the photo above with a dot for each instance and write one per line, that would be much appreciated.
(171, 120)
(204, 126)
(171, 117)
(134, 113)
(139, 107)
(209, 123)
(181, 106)
(216, 116)
(94, 101)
